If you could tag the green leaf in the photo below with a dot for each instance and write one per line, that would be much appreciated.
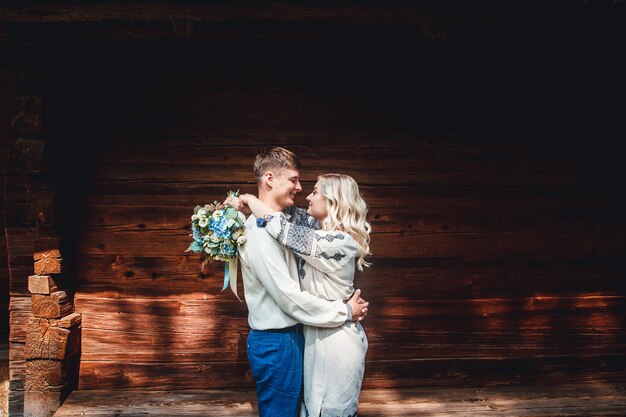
(231, 213)
(196, 208)
(195, 247)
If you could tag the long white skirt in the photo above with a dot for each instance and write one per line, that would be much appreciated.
(334, 363)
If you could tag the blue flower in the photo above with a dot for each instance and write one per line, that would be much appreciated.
(219, 228)
(196, 235)
(229, 249)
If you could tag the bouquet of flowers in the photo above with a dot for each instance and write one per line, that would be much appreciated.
(217, 232)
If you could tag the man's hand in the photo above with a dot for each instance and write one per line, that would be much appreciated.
(359, 306)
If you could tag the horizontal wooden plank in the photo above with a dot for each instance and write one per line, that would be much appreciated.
(384, 196)
(527, 401)
(264, 110)
(210, 330)
(19, 315)
(607, 242)
(17, 363)
(380, 13)
(102, 374)
(368, 166)
(521, 401)
(378, 374)
(512, 371)
(388, 220)
(207, 307)
(382, 147)
(81, 403)
(20, 268)
(229, 344)
(412, 278)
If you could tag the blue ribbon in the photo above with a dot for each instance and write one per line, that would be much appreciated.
(226, 275)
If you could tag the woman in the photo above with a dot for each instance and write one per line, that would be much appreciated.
(334, 358)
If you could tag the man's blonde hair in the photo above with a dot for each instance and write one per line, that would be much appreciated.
(275, 158)
(347, 211)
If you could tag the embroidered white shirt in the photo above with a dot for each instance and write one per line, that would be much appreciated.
(273, 292)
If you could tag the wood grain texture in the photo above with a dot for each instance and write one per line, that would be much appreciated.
(498, 231)
(54, 306)
(594, 400)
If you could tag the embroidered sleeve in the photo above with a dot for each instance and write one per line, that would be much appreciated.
(301, 218)
(326, 251)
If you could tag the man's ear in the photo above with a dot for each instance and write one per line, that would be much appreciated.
(269, 178)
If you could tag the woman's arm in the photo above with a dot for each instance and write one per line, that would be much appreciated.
(326, 251)
(256, 206)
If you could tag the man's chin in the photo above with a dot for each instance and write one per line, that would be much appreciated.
(288, 203)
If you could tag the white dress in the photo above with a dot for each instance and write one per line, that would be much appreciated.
(334, 358)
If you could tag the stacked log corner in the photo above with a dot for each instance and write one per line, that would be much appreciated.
(52, 343)
(44, 329)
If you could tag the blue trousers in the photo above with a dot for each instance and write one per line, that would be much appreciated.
(276, 362)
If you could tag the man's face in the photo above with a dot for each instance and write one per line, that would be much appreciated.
(285, 186)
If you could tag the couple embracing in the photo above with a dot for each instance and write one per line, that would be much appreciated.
(306, 346)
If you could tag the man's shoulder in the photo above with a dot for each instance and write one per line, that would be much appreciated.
(255, 232)
(250, 221)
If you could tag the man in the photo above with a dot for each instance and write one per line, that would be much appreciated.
(276, 305)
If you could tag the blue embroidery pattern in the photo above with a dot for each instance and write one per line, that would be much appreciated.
(337, 256)
(299, 217)
(299, 239)
(300, 266)
(329, 237)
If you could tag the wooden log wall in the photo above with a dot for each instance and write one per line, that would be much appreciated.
(496, 204)
(44, 331)
(7, 92)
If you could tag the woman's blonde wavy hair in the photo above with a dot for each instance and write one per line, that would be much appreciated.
(347, 211)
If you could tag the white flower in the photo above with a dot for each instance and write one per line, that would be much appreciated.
(201, 212)
(217, 214)
(195, 217)
(203, 222)
(215, 238)
(230, 223)
(241, 240)
(236, 234)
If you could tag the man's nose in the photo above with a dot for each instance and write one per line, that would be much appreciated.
(298, 187)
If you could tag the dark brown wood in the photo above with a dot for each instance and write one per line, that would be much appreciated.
(498, 231)
(597, 400)
(572, 245)
(380, 13)
(28, 153)
(27, 117)
(48, 262)
(128, 276)
(20, 313)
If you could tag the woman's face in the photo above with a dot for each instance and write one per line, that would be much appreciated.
(317, 204)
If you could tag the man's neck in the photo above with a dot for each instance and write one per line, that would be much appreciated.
(270, 201)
